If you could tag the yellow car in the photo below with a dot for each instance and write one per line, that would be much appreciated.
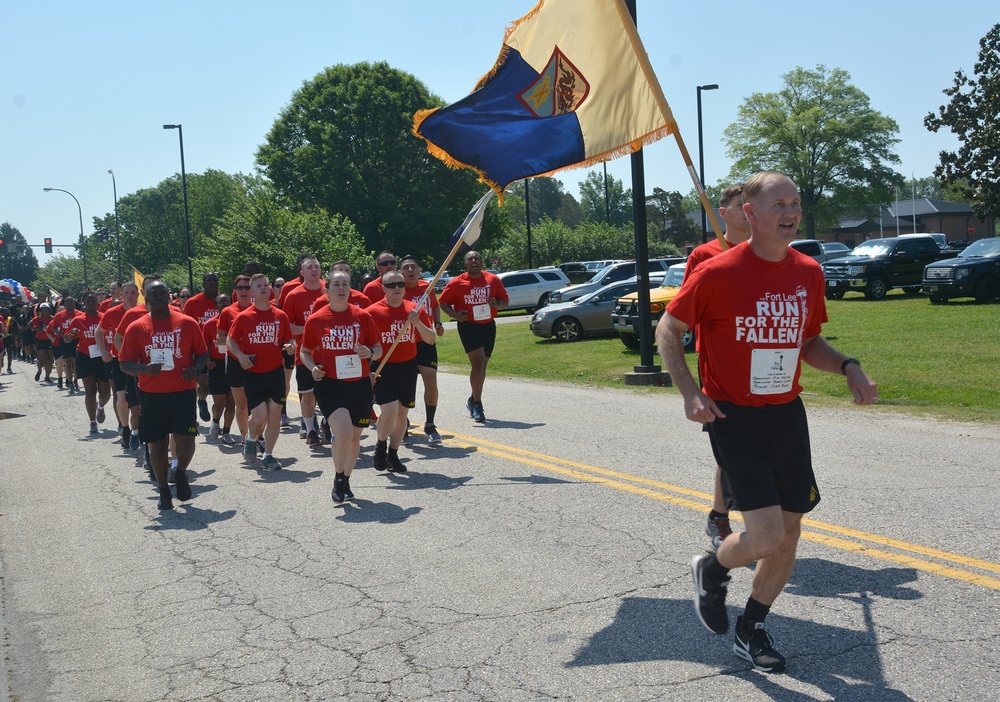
(625, 317)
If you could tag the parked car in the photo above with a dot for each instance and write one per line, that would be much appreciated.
(531, 288)
(595, 266)
(878, 265)
(442, 281)
(576, 271)
(625, 318)
(834, 249)
(612, 274)
(975, 273)
(810, 247)
(589, 315)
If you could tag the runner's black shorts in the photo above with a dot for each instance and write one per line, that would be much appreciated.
(217, 377)
(260, 387)
(41, 344)
(69, 348)
(354, 395)
(234, 373)
(117, 375)
(398, 381)
(132, 391)
(304, 380)
(165, 413)
(56, 351)
(765, 453)
(427, 355)
(478, 336)
(87, 367)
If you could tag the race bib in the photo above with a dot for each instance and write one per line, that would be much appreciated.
(348, 367)
(94, 351)
(772, 370)
(163, 356)
(481, 313)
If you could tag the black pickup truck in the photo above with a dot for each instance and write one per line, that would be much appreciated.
(879, 265)
(975, 273)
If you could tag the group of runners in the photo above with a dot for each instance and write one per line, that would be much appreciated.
(351, 353)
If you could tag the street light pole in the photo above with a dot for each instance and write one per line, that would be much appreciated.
(118, 227)
(701, 160)
(184, 190)
(83, 246)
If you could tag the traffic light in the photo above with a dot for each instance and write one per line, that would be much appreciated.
(3, 245)
(48, 244)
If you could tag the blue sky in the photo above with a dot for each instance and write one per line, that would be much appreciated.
(86, 86)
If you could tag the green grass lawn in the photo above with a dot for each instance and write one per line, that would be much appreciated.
(942, 360)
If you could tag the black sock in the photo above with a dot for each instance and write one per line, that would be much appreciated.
(714, 569)
(718, 515)
(394, 452)
(381, 446)
(755, 611)
(430, 410)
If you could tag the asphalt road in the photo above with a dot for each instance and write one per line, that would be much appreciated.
(542, 556)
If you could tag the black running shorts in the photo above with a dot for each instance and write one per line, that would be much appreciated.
(398, 381)
(261, 387)
(478, 336)
(165, 413)
(427, 355)
(354, 395)
(765, 453)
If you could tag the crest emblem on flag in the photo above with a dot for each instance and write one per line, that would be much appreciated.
(560, 88)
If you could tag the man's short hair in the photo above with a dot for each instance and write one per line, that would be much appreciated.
(734, 191)
(150, 279)
(257, 276)
(758, 182)
(408, 257)
(241, 276)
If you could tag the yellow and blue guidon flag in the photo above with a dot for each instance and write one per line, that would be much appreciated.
(572, 87)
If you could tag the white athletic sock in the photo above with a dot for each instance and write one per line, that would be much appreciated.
(310, 423)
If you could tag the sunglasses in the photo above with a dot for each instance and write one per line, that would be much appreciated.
(242, 287)
(388, 262)
(398, 284)
(184, 297)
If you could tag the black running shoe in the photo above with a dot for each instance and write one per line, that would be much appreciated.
(470, 406)
(709, 597)
(380, 457)
(348, 493)
(165, 499)
(183, 486)
(203, 410)
(60, 383)
(395, 465)
(339, 488)
(478, 414)
(38, 375)
(756, 645)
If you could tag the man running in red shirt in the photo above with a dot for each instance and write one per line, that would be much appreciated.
(89, 365)
(165, 351)
(256, 338)
(473, 299)
(235, 375)
(298, 306)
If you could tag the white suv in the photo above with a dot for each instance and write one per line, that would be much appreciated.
(531, 289)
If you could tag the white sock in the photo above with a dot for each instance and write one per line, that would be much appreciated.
(310, 423)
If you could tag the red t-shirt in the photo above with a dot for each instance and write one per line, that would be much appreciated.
(298, 306)
(137, 312)
(60, 323)
(109, 324)
(472, 295)
(702, 253)
(261, 334)
(226, 317)
(39, 324)
(87, 326)
(330, 335)
(416, 292)
(177, 339)
(211, 333)
(753, 317)
(389, 320)
(108, 304)
(200, 308)
(374, 290)
(287, 289)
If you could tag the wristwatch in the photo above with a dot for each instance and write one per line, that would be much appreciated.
(843, 366)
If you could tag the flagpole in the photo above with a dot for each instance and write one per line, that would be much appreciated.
(474, 216)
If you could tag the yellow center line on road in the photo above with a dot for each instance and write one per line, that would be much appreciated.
(654, 489)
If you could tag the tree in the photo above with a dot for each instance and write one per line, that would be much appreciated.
(973, 113)
(257, 226)
(548, 199)
(592, 199)
(62, 272)
(667, 220)
(822, 132)
(343, 144)
(17, 260)
(152, 223)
